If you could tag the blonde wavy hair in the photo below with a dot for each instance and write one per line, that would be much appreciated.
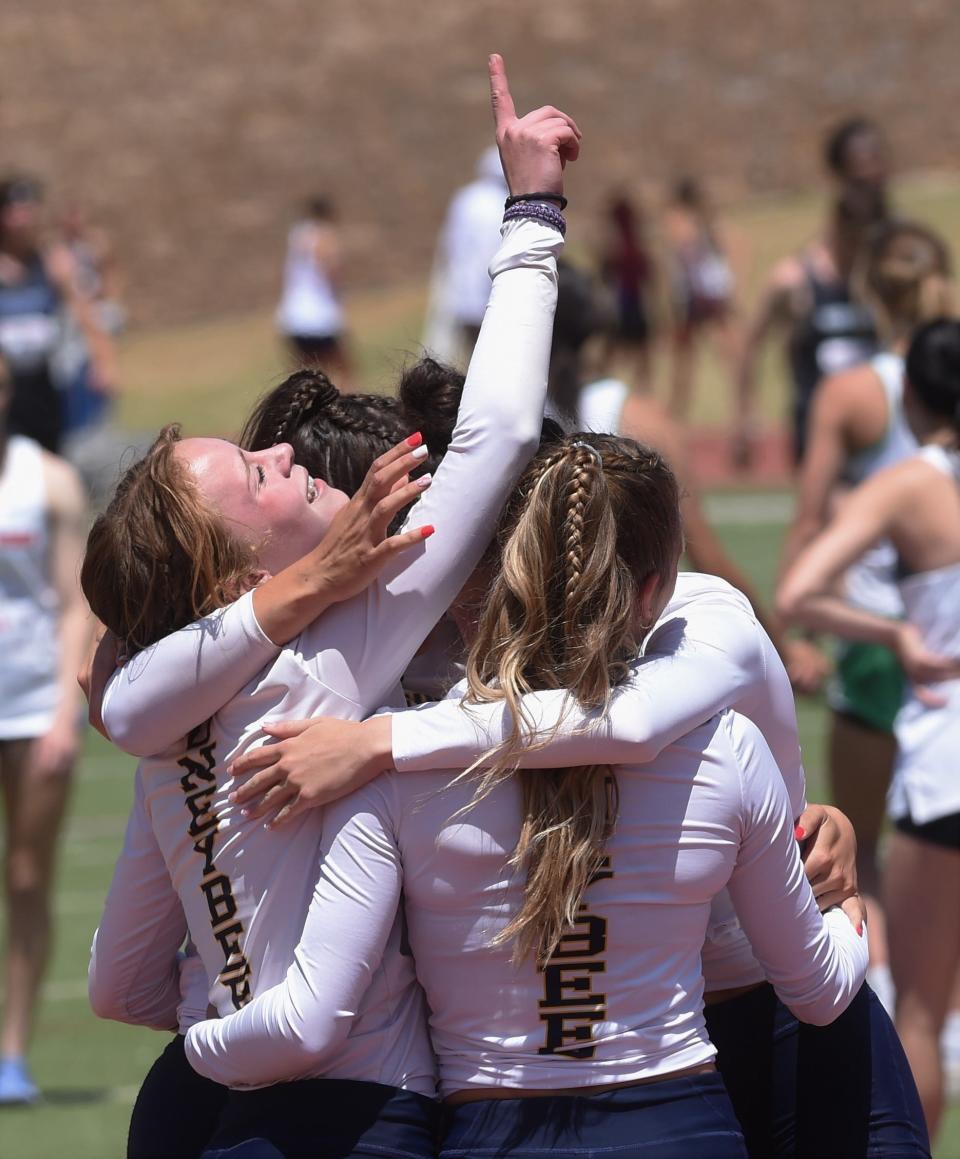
(159, 557)
(904, 275)
(594, 517)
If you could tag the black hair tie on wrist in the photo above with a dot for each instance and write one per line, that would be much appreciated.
(516, 198)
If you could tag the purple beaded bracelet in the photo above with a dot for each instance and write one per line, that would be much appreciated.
(538, 211)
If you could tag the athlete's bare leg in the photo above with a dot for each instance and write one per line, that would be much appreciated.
(33, 812)
(684, 340)
(922, 898)
(860, 766)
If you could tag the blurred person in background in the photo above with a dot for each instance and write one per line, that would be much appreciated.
(857, 427)
(629, 272)
(44, 628)
(915, 504)
(702, 287)
(99, 279)
(40, 289)
(807, 296)
(611, 406)
(310, 315)
(460, 283)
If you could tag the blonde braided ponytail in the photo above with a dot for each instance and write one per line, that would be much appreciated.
(593, 518)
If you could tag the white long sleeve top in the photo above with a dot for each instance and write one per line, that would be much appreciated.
(707, 652)
(621, 998)
(243, 889)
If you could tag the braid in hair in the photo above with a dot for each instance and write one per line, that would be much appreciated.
(335, 436)
(309, 390)
(585, 470)
(595, 517)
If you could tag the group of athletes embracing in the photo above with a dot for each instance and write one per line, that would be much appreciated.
(559, 907)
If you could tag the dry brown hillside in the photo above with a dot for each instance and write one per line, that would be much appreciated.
(191, 127)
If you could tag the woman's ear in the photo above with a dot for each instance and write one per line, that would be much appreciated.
(240, 585)
(649, 604)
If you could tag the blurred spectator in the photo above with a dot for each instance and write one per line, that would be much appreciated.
(310, 314)
(629, 273)
(807, 297)
(702, 284)
(460, 284)
(44, 629)
(99, 279)
(39, 290)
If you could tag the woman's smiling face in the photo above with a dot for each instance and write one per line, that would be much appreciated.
(265, 497)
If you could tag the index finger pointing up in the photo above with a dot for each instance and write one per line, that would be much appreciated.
(500, 99)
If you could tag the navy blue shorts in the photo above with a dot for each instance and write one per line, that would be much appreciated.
(681, 1118)
(843, 1091)
(325, 1119)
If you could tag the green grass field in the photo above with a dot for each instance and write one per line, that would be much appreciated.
(206, 375)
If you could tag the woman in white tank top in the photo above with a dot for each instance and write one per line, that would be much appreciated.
(310, 315)
(856, 428)
(916, 505)
(44, 627)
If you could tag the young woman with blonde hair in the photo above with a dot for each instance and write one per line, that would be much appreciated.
(241, 891)
(856, 428)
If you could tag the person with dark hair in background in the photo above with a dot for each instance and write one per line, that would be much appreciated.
(629, 272)
(44, 627)
(310, 315)
(915, 504)
(702, 286)
(807, 296)
(99, 279)
(39, 288)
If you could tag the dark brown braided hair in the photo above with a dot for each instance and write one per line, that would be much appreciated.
(158, 558)
(337, 436)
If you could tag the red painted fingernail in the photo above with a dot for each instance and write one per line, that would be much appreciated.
(799, 833)
(427, 531)
(860, 928)
(415, 439)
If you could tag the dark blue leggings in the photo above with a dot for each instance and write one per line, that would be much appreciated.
(684, 1118)
(176, 1111)
(843, 1091)
(325, 1119)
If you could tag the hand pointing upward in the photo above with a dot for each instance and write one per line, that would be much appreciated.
(533, 149)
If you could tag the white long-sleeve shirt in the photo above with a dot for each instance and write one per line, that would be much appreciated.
(245, 890)
(707, 652)
(621, 998)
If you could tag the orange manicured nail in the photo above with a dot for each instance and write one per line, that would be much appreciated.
(415, 439)
(427, 531)
(799, 833)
